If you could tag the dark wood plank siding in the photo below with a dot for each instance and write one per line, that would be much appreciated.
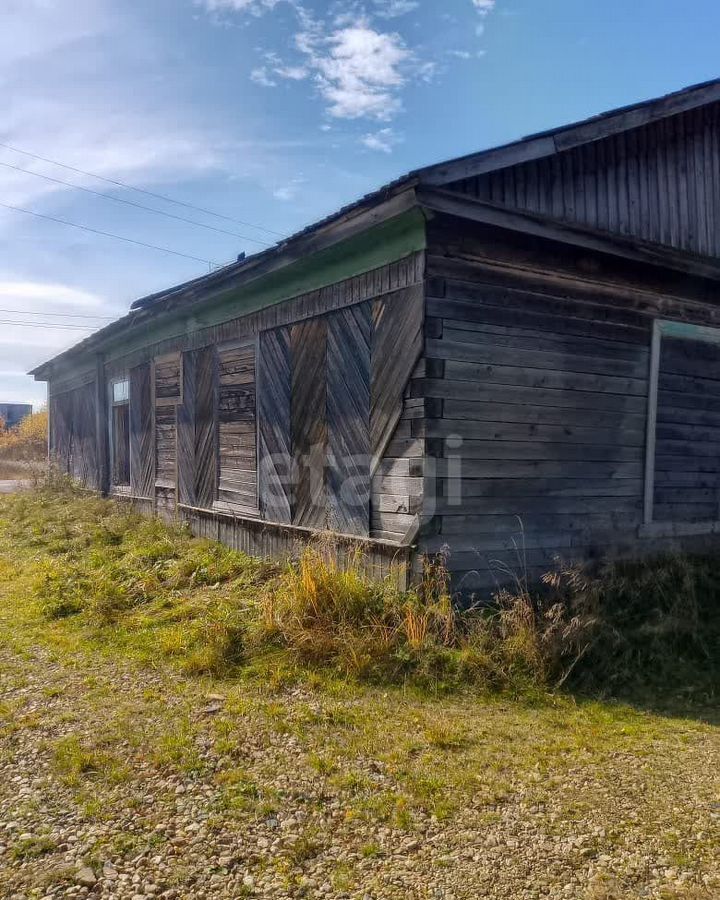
(275, 441)
(397, 345)
(73, 446)
(658, 182)
(237, 429)
(308, 344)
(536, 411)
(206, 431)
(348, 419)
(196, 430)
(687, 444)
(142, 473)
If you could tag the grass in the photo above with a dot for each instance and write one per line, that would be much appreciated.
(150, 590)
(390, 704)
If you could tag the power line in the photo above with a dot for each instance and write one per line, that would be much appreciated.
(158, 212)
(24, 312)
(117, 237)
(130, 187)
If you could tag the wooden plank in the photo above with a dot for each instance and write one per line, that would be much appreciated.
(489, 353)
(397, 340)
(348, 419)
(274, 425)
(206, 452)
(186, 433)
(309, 421)
(528, 395)
(632, 435)
(142, 458)
(540, 378)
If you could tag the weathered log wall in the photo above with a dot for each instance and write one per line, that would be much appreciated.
(536, 391)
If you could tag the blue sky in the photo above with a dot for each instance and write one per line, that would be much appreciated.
(274, 113)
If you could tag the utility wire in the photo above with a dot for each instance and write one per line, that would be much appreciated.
(158, 212)
(117, 237)
(129, 187)
(25, 312)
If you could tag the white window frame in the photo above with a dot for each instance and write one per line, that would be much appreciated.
(668, 328)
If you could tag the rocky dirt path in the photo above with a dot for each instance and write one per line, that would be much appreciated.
(126, 783)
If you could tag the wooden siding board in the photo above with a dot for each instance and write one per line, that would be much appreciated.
(348, 419)
(274, 424)
(397, 342)
(142, 462)
(309, 421)
(237, 460)
(657, 182)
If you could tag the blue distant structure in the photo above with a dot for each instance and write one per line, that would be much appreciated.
(14, 413)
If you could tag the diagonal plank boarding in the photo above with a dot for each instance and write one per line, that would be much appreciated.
(348, 419)
(142, 473)
(397, 343)
(274, 425)
(309, 421)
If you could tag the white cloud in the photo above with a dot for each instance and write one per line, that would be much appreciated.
(255, 7)
(290, 190)
(392, 9)
(292, 73)
(90, 119)
(19, 293)
(383, 140)
(459, 54)
(359, 71)
(24, 345)
(262, 77)
(484, 8)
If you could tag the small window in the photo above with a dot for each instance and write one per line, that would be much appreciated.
(121, 391)
(120, 432)
(682, 483)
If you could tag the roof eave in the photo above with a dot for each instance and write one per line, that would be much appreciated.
(348, 222)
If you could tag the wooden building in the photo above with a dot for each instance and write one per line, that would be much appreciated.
(514, 355)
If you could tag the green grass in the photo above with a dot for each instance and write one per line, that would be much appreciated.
(96, 593)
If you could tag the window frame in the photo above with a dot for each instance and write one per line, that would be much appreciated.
(112, 405)
(674, 329)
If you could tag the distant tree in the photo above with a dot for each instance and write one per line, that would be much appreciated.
(27, 440)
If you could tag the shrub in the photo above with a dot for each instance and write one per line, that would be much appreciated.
(27, 441)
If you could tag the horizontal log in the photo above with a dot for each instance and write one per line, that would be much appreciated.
(531, 339)
(498, 393)
(470, 450)
(548, 487)
(531, 506)
(489, 354)
(581, 435)
(541, 378)
(392, 503)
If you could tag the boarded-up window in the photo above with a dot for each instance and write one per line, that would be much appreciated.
(141, 435)
(237, 434)
(308, 344)
(120, 431)
(687, 431)
(168, 392)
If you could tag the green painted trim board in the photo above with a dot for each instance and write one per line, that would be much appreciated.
(374, 248)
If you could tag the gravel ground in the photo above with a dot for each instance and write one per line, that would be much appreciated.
(120, 782)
